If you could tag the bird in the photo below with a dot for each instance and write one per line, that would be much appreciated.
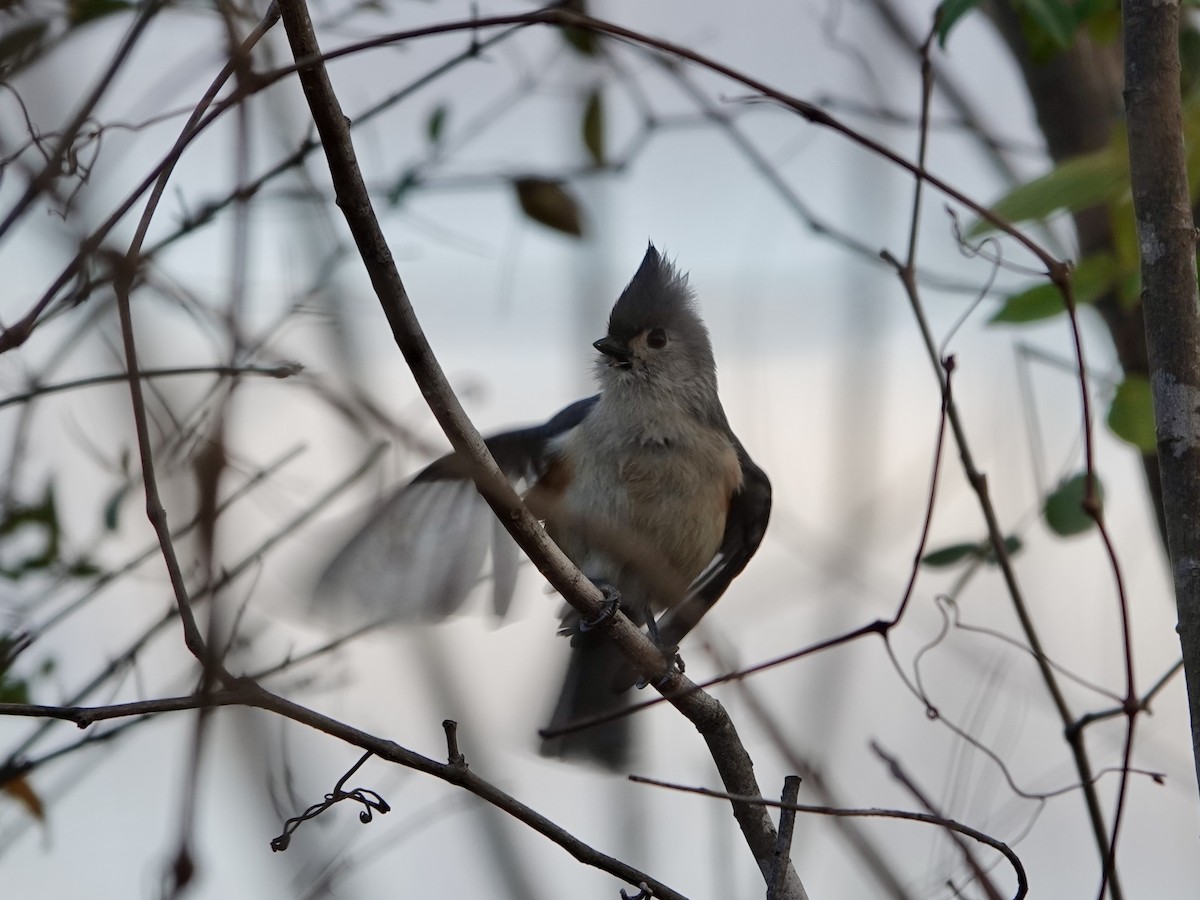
(644, 486)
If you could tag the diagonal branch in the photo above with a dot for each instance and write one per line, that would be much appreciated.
(703, 711)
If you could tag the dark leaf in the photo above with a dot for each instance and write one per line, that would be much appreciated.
(22, 791)
(112, 509)
(436, 123)
(14, 690)
(1012, 546)
(593, 126)
(40, 517)
(407, 182)
(1064, 510)
(949, 556)
(1103, 26)
(11, 646)
(582, 40)
(21, 44)
(1053, 18)
(83, 568)
(956, 553)
(951, 11)
(42, 513)
(81, 11)
(548, 203)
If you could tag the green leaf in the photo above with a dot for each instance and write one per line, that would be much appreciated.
(1064, 510)
(548, 203)
(582, 40)
(21, 44)
(82, 11)
(1042, 301)
(949, 556)
(436, 123)
(1131, 414)
(14, 690)
(1012, 546)
(42, 514)
(592, 126)
(83, 568)
(407, 182)
(112, 509)
(950, 11)
(12, 645)
(1104, 27)
(1189, 59)
(40, 517)
(1053, 18)
(955, 553)
(1075, 184)
(1093, 277)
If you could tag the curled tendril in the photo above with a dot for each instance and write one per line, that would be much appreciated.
(372, 802)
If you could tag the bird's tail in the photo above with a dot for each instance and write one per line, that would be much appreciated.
(596, 683)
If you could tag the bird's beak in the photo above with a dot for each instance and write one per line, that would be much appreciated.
(617, 353)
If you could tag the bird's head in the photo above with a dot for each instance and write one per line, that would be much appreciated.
(656, 340)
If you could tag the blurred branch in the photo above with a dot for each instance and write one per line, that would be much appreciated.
(981, 876)
(876, 813)
(283, 370)
(17, 333)
(54, 159)
(971, 120)
(126, 657)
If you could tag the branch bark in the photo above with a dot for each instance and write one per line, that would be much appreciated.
(709, 717)
(1167, 243)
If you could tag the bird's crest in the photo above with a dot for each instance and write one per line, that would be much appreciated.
(658, 296)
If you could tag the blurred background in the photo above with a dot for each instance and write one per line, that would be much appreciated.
(519, 175)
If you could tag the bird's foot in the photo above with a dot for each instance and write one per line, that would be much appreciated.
(612, 603)
(675, 666)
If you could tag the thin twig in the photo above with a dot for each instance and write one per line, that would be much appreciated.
(787, 824)
(284, 370)
(901, 776)
(1061, 276)
(874, 812)
(53, 166)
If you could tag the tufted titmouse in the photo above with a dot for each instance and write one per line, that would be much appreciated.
(644, 486)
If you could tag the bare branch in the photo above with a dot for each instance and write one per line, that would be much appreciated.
(703, 711)
(876, 813)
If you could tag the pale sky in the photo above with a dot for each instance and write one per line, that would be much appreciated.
(824, 379)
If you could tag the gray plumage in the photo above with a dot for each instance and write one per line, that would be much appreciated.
(644, 487)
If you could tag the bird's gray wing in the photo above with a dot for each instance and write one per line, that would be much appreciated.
(745, 525)
(422, 551)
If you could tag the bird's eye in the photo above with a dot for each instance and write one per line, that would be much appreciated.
(656, 339)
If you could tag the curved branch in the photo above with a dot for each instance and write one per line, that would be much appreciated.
(703, 711)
